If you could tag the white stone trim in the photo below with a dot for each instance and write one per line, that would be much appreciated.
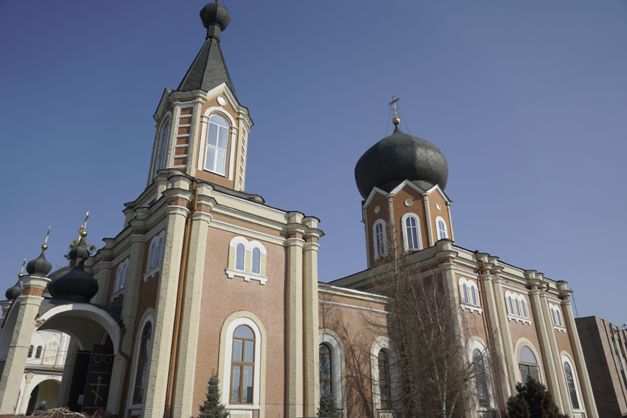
(384, 243)
(337, 362)
(406, 237)
(247, 272)
(520, 343)
(226, 341)
(89, 311)
(470, 285)
(565, 358)
(379, 344)
(476, 343)
(204, 123)
(439, 219)
(148, 316)
(158, 241)
(512, 313)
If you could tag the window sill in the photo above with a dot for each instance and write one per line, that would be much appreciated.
(517, 319)
(231, 274)
(471, 308)
(206, 170)
(242, 407)
(559, 328)
(150, 275)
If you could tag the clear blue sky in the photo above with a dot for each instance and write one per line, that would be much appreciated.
(527, 99)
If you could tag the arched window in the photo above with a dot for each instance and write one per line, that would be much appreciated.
(30, 351)
(256, 267)
(242, 365)
(240, 255)
(155, 253)
(380, 238)
(442, 229)
(481, 381)
(465, 291)
(570, 382)
(528, 364)
(510, 305)
(38, 352)
(162, 148)
(141, 373)
(524, 309)
(247, 260)
(217, 143)
(473, 292)
(411, 232)
(326, 369)
(385, 389)
(120, 276)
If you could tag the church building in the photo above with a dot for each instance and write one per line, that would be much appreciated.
(205, 279)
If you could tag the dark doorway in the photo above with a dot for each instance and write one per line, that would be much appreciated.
(89, 389)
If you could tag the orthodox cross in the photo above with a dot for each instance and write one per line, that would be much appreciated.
(394, 105)
(96, 391)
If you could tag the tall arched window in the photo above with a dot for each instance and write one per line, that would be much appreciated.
(410, 232)
(570, 382)
(217, 143)
(242, 365)
(155, 253)
(385, 389)
(38, 352)
(326, 369)
(442, 229)
(379, 239)
(30, 351)
(528, 364)
(120, 276)
(162, 148)
(143, 356)
(256, 267)
(481, 381)
(465, 293)
(473, 292)
(240, 255)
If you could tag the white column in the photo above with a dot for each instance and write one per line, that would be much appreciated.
(19, 339)
(166, 301)
(543, 338)
(580, 362)
(508, 347)
(183, 404)
(295, 243)
(310, 318)
(121, 364)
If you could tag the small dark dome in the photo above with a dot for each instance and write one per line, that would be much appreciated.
(400, 157)
(14, 291)
(40, 266)
(76, 285)
(215, 14)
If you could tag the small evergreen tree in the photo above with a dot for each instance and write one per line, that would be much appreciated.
(327, 405)
(532, 400)
(212, 408)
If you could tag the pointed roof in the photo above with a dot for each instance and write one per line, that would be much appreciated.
(208, 69)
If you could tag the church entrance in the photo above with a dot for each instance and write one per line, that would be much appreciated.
(94, 340)
(89, 389)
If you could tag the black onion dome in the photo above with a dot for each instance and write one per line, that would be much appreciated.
(76, 285)
(39, 266)
(399, 157)
(215, 14)
(14, 291)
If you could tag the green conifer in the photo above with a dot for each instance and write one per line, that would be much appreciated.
(212, 408)
(327, 405)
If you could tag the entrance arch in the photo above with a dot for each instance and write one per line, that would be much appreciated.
(94, 348)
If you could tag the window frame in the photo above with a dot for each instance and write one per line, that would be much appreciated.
(441, 220)
(216, 147)
(522, 345)
(148, 318)
(383, 343)
(241, 364)
(566, 361)
(121, 275)
(406, 233)
(248, 273)
(476, 344)
(379, 242)
(469, 295)
(333, 341)
(226, 354)
(154, 258)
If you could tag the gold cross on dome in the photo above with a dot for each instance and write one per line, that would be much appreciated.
(394, 105)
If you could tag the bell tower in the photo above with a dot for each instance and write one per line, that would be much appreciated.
(201, 128)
